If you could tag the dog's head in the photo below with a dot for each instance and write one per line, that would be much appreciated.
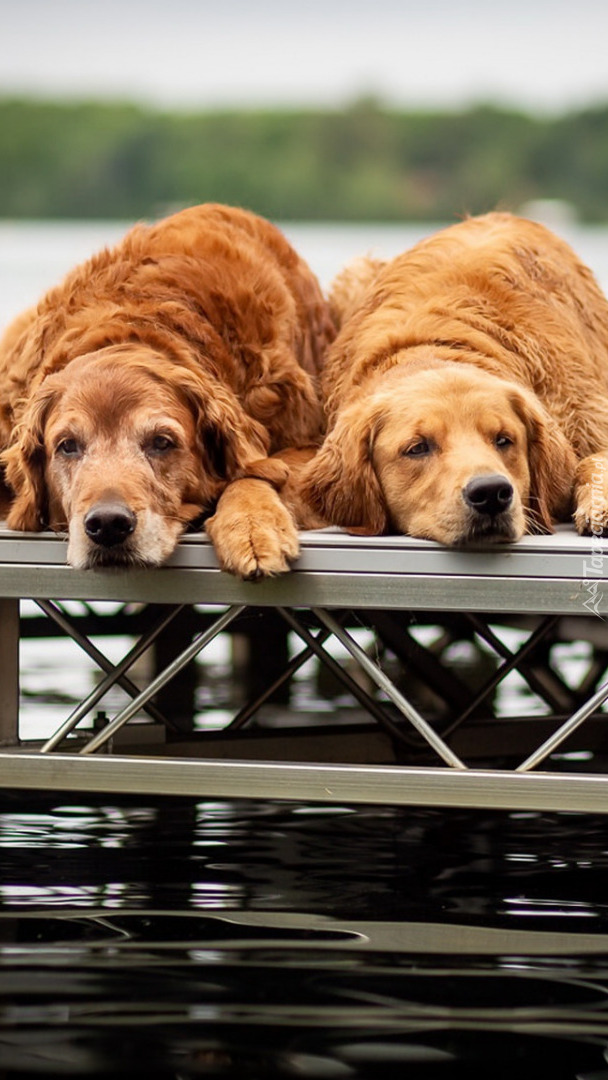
(449, 454)
(124, 449)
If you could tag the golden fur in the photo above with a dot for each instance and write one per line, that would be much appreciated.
(154, 378)
(467, 390)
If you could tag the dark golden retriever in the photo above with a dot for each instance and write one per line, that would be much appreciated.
(467, 390)
(139, 394)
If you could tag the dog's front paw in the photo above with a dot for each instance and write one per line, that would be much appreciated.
(253, 532)
(591, 520)
(591, 496)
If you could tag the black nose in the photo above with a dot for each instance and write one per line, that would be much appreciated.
(489, 494)
(109, 523)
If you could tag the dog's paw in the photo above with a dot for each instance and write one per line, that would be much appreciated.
(591, 496)
(591, 520)
(252, 531)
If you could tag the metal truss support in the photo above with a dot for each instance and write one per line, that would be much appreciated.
(384, 683)
(188, 654)
(115, 674)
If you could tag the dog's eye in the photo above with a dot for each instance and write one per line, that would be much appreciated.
(68, 448)
(502, 442)
(161, 443)
(418, 449)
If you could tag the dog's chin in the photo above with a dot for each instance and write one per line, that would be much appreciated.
(119, 557)
(484, 529)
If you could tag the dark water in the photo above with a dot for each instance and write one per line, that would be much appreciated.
(170, 938)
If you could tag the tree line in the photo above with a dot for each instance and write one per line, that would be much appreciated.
(366, 162)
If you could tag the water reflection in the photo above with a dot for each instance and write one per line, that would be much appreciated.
(177, 939)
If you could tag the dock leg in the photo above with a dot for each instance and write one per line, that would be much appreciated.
(9, 672)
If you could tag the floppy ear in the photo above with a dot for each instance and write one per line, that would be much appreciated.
(24, 464)
(229, 439)
(552, 463)
(340, 483)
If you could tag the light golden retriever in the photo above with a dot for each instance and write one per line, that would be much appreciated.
(467, 390)
(141, 392)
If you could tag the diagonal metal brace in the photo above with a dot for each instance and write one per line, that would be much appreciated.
(251, 707)
(113, 675)
(314, 643)
(515, 661)
(188, 654)
(565, 730)
(382, 680)
(60, 618)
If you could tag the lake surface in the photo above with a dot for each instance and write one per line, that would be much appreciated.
(171, 938)
(176, 938)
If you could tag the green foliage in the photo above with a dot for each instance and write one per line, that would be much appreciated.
(366, 162)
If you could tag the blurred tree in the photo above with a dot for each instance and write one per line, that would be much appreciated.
(365, 162)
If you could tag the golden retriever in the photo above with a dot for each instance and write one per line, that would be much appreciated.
(467, 390)
(157, 377)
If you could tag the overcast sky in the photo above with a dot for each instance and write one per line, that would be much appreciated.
(537, 54)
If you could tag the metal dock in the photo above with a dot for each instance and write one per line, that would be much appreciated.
(386, 621)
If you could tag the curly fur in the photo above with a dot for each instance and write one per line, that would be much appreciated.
(209, 316)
